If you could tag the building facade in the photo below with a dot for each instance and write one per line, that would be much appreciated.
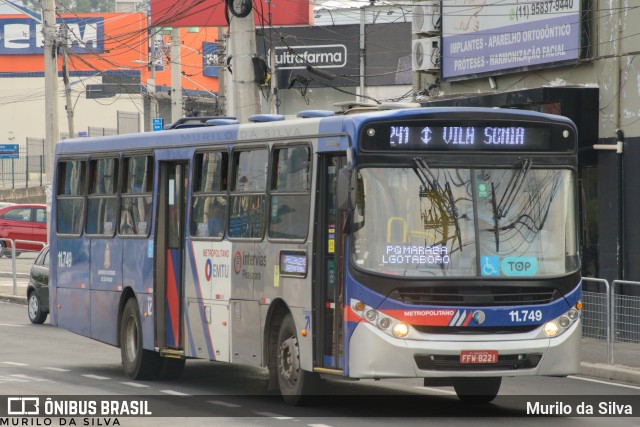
(576, 58)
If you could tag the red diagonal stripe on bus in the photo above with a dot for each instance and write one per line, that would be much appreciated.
(172, 297)
(468, 319)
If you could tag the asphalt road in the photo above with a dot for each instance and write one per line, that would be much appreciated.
(43, 360)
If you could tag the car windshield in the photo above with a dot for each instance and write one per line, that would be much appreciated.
(427, 222)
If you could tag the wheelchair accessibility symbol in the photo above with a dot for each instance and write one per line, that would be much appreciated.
(490, 265)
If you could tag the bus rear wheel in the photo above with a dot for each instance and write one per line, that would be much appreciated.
(477, 390)
(296, 385)
(138, 363)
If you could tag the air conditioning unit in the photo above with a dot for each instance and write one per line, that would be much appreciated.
(425, 54)
(425, 18)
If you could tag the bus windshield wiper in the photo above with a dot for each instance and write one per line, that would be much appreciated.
(500, 210)
(513, 188)
(428, 180)
(496, 219)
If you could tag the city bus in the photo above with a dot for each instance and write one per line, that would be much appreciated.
(431, 243)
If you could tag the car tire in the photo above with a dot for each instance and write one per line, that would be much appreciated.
(34, 307)
(138, 363)
(3, 249)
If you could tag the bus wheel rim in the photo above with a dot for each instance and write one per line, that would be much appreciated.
(289, 364)
(131, 339)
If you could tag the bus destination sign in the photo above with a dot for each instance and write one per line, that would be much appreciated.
(436, 137)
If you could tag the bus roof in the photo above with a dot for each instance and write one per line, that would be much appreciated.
(296, 128)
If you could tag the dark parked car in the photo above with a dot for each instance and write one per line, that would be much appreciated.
(26, 222)
(38, 288)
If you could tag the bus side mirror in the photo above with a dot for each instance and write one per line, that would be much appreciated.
(346, 189)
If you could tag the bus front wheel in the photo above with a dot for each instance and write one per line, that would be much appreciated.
(477, 390)
(138, 363)
(296, 385)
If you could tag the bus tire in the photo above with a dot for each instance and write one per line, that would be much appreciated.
(171, 369)
(477, 390)
(296, 385)
(138, 363)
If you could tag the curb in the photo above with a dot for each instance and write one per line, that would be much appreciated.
(620, 373)
(16, 299)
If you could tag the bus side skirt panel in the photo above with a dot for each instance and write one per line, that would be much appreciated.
(74, 311)
(104, 307)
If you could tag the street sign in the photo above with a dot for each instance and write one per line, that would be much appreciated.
(9, 151)
(157, 123)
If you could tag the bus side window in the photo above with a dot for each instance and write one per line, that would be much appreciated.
(137, 182)
(102, 198)
(290, 198)
(70, 196)
(248, 193)
(209, 204)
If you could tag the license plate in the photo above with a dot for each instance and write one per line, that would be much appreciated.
(470, 357)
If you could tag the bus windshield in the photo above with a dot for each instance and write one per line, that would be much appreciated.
(493, 222)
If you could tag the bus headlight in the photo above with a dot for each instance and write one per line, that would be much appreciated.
(371, 315)
(560, 324)
(383, 322)
(573, 314)
(551, 328)
(564, 321)
(400, 330)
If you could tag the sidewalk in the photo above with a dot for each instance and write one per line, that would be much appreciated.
(6, 290)
(626, 358)
(626, 367)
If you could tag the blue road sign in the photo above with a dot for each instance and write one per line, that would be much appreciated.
(157, 123)
(9, 151)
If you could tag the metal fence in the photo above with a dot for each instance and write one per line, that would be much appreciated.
(96, 131)
(610, 315)
(27, 170)
(14, 271)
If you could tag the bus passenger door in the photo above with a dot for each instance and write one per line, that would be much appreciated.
(328, 268)
(169, 256)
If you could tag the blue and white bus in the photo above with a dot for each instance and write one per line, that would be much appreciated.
(435, 243)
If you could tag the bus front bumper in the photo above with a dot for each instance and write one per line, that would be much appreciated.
(374, 354)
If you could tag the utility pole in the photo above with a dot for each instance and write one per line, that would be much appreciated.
(50, 83)
(275, 101)
(151, 81)
(363, 19)
(227, 80)
(65, 79)
(176, 76)
(246, 94)
(51, 98)
(222, 69)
